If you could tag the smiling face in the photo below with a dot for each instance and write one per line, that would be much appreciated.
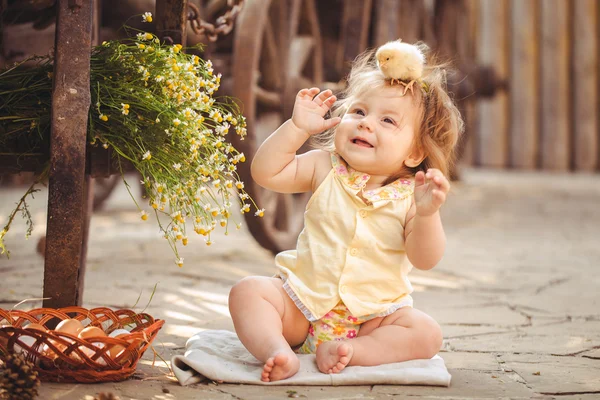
(377, 132)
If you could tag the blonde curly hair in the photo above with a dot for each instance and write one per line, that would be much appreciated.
(440, 123)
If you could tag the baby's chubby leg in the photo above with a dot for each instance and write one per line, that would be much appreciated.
(406, 334)
(268, 322)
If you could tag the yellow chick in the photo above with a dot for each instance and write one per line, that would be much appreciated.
(400, 62)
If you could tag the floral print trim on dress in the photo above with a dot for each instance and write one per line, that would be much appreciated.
(337, 324)
(397, 190)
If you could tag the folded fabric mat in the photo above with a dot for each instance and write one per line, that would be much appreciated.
(218, 355)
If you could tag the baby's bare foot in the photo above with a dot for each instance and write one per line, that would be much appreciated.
(280, 366)
(332, 357)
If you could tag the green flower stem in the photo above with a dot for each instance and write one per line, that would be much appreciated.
(22, 203)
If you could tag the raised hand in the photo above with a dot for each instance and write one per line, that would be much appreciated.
(430, 191)
(310, 109)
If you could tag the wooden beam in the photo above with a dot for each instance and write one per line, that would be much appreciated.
(171, 20)
(354, 39)
(554, 85)
(386, 21)
(493, 113)
(585, 85)
(70, 105)
(467, 147)
(524, 103)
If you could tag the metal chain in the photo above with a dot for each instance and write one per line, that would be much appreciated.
(224, 24)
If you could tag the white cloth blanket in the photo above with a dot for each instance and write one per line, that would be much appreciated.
(218, 355)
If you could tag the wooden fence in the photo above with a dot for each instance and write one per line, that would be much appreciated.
(548, 50)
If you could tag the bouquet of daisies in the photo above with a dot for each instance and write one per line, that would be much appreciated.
(155, 107)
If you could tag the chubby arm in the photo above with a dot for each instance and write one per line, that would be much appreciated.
(276, 166)
(424, 237)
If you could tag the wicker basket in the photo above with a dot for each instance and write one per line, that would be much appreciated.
(62, 357)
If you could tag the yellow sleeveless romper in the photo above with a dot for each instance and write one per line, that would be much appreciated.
(350, 264)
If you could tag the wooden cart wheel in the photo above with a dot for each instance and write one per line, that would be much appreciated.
(277, 51)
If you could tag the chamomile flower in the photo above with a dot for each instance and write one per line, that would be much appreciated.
(260, 213)
(222, 129)
(157, 108)
(179, 262)
(147, 17)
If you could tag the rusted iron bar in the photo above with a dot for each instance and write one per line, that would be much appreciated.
(88, 183)
(66, 198)
(171, 20)
(224, 23)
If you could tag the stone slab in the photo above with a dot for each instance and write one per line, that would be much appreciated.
(471, 361)
(466, 384)
(594, 354)
(252, 392)
(560, 339)
(555, 375)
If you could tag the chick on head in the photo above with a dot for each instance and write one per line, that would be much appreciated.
(400, 61)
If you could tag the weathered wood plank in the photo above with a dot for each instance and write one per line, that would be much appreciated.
(492, 143)
(524, 123)
(66, 188)
(88, 183)
(386, 21)
(356, 19)
(554, 85)
(468, 146)
(171, 20)
(412, 20)
(585, 85)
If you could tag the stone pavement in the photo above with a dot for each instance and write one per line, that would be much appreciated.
(517, 294)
